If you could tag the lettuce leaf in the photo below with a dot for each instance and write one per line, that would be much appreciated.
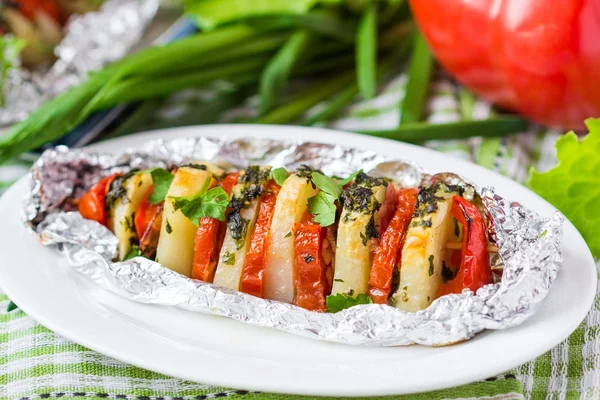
(573, 185)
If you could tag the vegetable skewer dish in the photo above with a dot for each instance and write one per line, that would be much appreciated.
(321, 243)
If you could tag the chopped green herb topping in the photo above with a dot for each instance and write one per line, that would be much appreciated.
(456, 228)
(430, 265)
(364, 238)
(168, 227)
(341, 301)
(287, 235)
(338, 280)
(129, 225)
(250, 186)
(229, 258)
(305, 171)
(447, 273)
(117, 190)
(371, 229)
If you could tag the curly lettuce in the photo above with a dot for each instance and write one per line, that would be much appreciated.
(573, 185)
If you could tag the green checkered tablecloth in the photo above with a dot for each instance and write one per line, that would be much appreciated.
(36, 363)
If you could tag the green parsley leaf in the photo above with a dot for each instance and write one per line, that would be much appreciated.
(573, 186)
(280, 175)
(161, 178)
(327, 185)
(134, 252)
(322, 206)
(349, 179)
(342, 301)
(212, 203)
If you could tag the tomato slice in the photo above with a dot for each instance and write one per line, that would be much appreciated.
(147, 221)
(92, 204)
(387, 254)
(311, 270)
(252, 274)
(475, 270)
(144, 213)
(209, 238)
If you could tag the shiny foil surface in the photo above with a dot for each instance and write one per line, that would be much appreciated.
(529, 245)
(91, 41)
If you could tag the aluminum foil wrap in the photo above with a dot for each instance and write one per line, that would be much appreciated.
(529, 245)
(91, 41)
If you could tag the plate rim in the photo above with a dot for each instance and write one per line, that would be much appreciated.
(236, 131)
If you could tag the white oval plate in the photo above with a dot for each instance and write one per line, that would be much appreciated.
(224, 352)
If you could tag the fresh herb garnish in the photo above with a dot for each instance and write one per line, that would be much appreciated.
(212, 203)
(132, 253)
(327, 184)
(349, 179)
(287, 235)
(279, 175)
(338, 280)
(161, 178)
(342, 301)
(322, 207)
(168, 227)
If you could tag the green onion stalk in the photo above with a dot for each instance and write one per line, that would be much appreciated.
(339, 51)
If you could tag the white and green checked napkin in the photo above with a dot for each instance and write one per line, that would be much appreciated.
(35, 363)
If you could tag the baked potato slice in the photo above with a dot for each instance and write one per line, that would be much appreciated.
(356, 228)
(176, 242)
(424, 250)
(292, 201)
(245, 200)
(124, 196)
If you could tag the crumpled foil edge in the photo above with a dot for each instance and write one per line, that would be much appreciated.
(91, 41)
(529, 247)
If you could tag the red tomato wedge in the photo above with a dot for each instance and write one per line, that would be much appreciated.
(148, 218)
(311, 270)
(144, 213)
(475, 270)
(92, 203)
(209, 238)
(387, 254)
(252, 275)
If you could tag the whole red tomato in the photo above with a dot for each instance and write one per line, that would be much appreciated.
(538, 57)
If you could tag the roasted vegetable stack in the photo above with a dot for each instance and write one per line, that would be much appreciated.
(319, 242)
